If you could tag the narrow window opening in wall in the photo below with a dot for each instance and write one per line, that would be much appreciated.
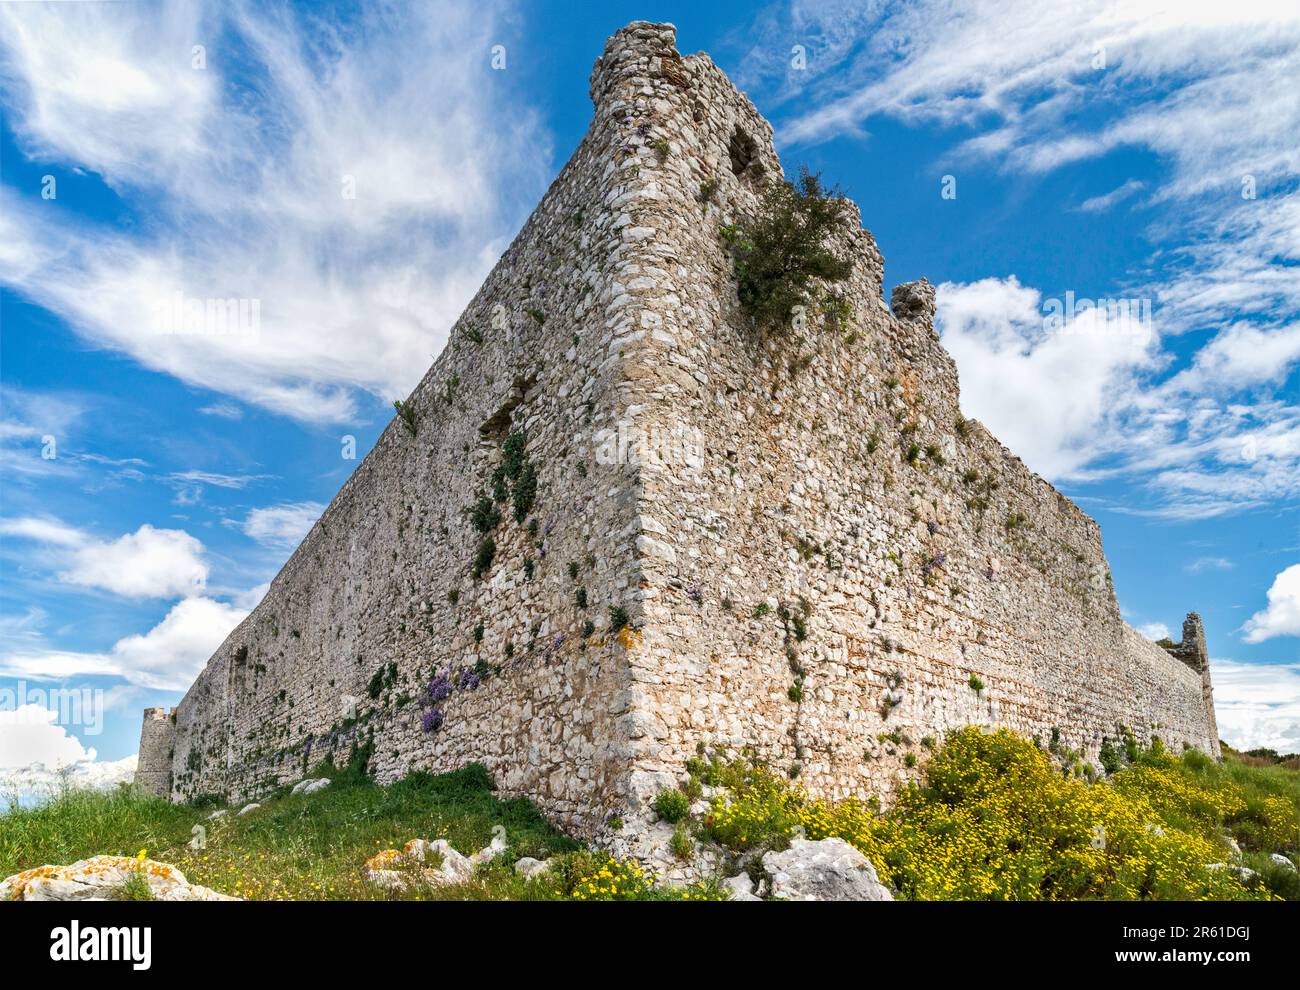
(495, 428)
(743, 150)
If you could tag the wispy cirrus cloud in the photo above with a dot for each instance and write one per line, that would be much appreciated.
(355, 177)
(1102, 203)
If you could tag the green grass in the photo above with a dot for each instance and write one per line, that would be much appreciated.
(308, 847)
(314, 847)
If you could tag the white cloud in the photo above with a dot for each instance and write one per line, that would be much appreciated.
(39, 757)
(282, 525)
(1200, 82)
(1202, 564)
(224, 410)
(1282, 616)
(27, 419)
(1154, 631)
(1100, 204)
(36, 782)
(30, 734)
(249, 165)
(98, 97)
(149, 563)
(1240, 355)
(1083, 402)
(1048, 394)
(1257, 704)
(168, 657)
(43, 530)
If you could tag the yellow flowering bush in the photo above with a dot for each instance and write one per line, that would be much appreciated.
(626, 880)
(998, 820)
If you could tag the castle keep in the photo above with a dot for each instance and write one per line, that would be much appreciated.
(614, 522)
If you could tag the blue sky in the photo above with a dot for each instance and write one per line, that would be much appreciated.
(357, 171)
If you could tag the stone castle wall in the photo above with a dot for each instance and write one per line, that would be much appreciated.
(815, 553)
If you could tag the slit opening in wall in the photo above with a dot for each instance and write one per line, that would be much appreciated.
(497, 426)
(743, 151)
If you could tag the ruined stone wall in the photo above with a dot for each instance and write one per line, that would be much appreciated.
(852, 559)
(814, 553)
(153, 768)
(379, 598)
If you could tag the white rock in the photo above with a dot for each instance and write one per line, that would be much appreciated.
(219, 813)
(310, 786)
(491, 851)
(1281, 860)
(741, 887)
(101, 878)
(528, 867)
(249, 807)
(1243, 872)
(455, 867)
(387, 879)
(417, 850)
(825, 870)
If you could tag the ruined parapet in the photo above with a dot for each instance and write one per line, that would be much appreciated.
(1193, 652)
(913, 302)
(153, 771)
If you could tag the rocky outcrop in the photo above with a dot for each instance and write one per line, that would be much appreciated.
(424, 863)
(105, 878)
(825, 870)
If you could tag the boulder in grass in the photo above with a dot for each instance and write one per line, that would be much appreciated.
(825, 870)
(527, 867)
(310, 786)
(104, 878)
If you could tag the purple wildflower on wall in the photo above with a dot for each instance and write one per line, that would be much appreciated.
(469, 680)
(439, 689)
(432, 720)
(936, 561)
(553, 647)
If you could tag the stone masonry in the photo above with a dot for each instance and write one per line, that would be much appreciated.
(157, 739)
(796, 545)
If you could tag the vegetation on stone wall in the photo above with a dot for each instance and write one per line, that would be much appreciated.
(406, 411)
(780, 252)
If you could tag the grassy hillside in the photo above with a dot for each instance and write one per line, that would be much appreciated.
(314, 847)
(998, 818)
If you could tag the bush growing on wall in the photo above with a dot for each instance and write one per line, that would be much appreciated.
(781, 251)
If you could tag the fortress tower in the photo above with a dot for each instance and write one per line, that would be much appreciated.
(614, 522)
